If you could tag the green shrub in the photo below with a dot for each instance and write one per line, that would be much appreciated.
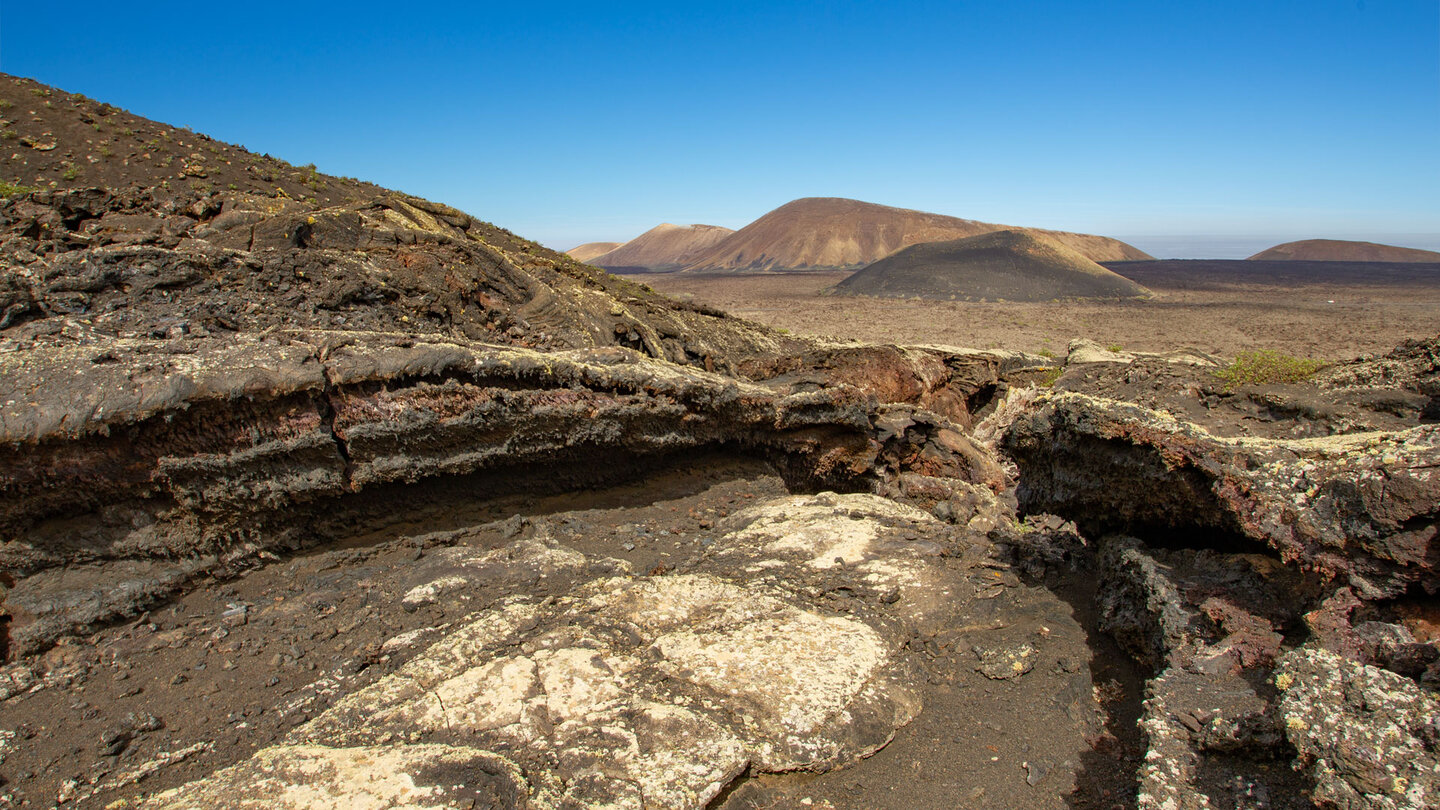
(10, 189)
(1267, 367)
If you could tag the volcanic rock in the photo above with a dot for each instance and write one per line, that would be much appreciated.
(1360, 508)
(642, 691)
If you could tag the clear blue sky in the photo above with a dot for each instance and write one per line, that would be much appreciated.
(571, 122)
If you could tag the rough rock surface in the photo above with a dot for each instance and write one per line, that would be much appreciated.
(644, 691)
(195, 483)
(1361, 507)
(1367, 737)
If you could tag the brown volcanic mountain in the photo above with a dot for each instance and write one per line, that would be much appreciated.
(663, 247)
(1009, 265)
(816, 233)
(1340, 250)
(589, 250)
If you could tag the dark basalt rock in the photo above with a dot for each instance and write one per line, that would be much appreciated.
(1361, 508)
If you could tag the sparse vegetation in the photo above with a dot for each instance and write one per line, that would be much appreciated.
(1114, 347)
(11, 189)
(1048, 377)
(1267, 367)
(39, 92)
(310, 177)
(1046, 353)
(70, 172)
(105, 151)
(6, 104)
(9, 134)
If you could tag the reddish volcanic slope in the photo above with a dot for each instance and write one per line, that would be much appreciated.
(663, 247)
(1339, 250)
(830, 232)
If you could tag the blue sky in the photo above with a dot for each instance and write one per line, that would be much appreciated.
(571, 122)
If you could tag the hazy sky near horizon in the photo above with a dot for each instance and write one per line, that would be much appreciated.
(571, 122)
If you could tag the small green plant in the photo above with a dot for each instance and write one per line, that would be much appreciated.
(105, 151)
(70, 172)
(233, 187)
(1046, 353)
(11, 189)
(9, 134)
(1114, 347)
(39, 92)
(1267, 367)
(1048, 377)
(6, 104)
(310, 177)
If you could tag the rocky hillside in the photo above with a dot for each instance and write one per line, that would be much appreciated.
(589, 250)
(1339, 250)
(662, 248)
(833, 233)
(998, 266)
(122, 227)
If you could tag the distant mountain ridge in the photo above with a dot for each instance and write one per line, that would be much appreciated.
(1340, 250)
(829, 233)
(590, 250)
(1005, 265)
(663, 247)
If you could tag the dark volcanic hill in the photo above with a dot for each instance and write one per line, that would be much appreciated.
(1339, 250)
(663, 247)
(130, 227)
(1008, 265)
(589, 250)
(817, 233)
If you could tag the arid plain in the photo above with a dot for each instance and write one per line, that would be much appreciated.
(1323, 310)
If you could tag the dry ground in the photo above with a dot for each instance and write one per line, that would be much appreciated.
(1217, 307)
